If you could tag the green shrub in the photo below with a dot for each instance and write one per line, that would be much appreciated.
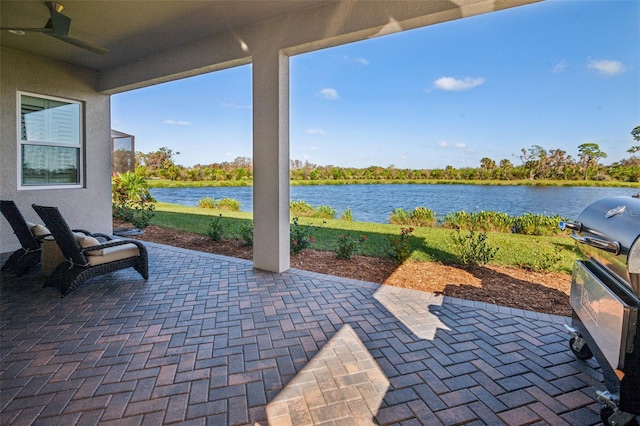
(400, 217)
(131, 200)
(229, 204)
(400, 246)
(300, 209)
(207, 203)
(300, 237)
(245, 233)
(217, 229)
(128, 187)
(347, 246)
(536, 224)
(422, 216)
(478, 221)
(473, 248)
(456, 220)
(347, 215)
(138, 215)
(324, 212)
(527, 224)
(223, 204)
(304, 209)
(490, 221)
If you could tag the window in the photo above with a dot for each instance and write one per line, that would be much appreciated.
(50, 151)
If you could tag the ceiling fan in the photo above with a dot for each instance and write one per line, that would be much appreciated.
(58, 26)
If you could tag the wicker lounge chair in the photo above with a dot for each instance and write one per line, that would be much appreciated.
(27, 256)
(84, 259)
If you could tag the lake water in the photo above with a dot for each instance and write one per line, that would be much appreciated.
(374, 203)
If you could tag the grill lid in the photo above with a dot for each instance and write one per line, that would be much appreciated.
(608, 233)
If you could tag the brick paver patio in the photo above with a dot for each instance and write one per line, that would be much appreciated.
(209, 340)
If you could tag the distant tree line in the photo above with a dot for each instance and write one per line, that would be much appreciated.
(160, 164)
(537, 163)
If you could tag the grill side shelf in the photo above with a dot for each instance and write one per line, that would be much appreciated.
(610, 321)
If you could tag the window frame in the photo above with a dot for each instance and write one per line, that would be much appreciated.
(21, 143)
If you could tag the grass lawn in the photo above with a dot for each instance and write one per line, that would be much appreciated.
(556, 253)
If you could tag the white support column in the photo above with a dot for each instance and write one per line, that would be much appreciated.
(271, 161)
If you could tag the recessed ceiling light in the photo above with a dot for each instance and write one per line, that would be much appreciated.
(17, 32)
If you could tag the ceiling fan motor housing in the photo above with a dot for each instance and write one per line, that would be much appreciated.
(59, 23)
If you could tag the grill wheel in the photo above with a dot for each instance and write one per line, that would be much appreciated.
(584, 353)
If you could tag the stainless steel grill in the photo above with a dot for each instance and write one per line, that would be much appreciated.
(605, 301)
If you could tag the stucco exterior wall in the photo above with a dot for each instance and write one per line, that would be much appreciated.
(88, 207)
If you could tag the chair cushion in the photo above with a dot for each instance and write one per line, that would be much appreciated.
(112, 254)
(38, 230)
(88, 241)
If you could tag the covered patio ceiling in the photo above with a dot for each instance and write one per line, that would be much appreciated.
(155, 41)
(133, 30)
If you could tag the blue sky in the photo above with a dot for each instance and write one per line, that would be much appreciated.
(555, 74)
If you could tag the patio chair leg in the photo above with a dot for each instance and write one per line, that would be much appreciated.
(13, 260)
(143, 269)
(21, 261)
(62, 278)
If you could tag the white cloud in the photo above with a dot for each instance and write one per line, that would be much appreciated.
(455, 145)
(456, 84)
(560, 67)
(234, 105)
(177, 122)
(358, 60)
(316, 132)
(329, 94)
(606, 67)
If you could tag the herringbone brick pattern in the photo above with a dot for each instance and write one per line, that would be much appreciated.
(209, 340)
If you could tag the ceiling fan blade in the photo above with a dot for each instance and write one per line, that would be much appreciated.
(28, 30)
(80, 43)
(58, 27)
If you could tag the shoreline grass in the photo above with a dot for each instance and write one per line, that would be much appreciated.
(544, 253)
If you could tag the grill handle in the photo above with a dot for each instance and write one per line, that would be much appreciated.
(574, 226)
(612, 247)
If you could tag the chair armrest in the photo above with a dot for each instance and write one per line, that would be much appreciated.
(112, 243)
(84, 231)
(99, 235)
(93, 234)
